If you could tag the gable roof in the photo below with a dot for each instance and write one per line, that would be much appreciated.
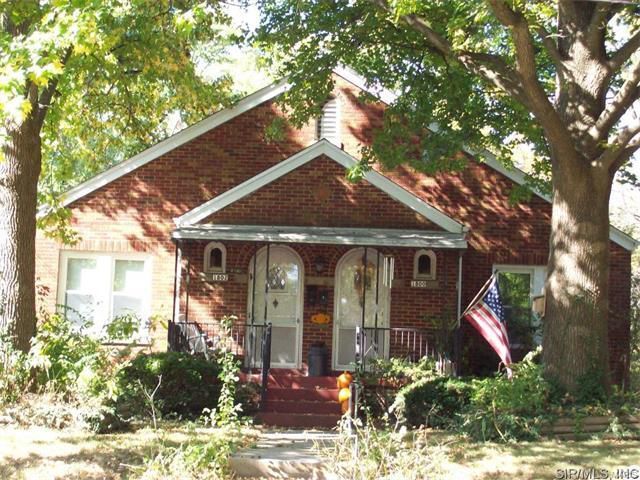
(518, 176)
(322, 147)
(183, 136)
(263, 95)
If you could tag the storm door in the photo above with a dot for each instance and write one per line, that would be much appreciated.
(361, 294)
(275, 296)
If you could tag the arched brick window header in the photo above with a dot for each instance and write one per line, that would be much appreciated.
(424, 265)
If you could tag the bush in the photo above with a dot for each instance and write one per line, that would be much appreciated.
(382, 381)
(67, 361)
(503, 409)
(14, 373)
(433, 402)
(188, 385)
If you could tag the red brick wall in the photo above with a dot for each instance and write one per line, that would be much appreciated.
(135, 213)
(410, 307)
(318, 194)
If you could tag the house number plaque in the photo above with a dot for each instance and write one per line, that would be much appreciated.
(218, 277)
(419, 284)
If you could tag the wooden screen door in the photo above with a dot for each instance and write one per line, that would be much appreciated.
(278, 299)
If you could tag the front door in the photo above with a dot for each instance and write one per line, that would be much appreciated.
(360, 292)
(275, 296)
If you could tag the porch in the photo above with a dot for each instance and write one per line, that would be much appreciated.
(362, 293)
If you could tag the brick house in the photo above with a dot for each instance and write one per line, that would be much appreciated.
(220, 220)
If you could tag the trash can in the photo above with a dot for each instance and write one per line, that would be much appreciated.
(318, 360)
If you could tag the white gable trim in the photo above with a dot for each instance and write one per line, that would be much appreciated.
(263, 95)
(351, 76)
(322, 147)
(174, 141)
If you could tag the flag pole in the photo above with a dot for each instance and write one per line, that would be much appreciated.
(479, 294)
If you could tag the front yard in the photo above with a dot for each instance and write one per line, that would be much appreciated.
(42, 453)
(46, 453)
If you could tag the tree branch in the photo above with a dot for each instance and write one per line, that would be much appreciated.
(552, 50)
(628, 137)
(540, 105)
(46, 97)
(490, 68)
(624, 52)
(624, 98)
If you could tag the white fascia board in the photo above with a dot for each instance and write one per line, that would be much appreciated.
(174, 141)
(209, 123)
(351, 76)
(324, 235)
(322, 147)
(518, 176)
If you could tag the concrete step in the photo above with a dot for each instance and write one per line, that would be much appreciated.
(302, 394)
(289, 454)
(301, 406)
(299, 420)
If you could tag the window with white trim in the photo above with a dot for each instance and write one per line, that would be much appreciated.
(424, 265)
(215, 258)
(96, 287)
(518, 285)
(328, 125)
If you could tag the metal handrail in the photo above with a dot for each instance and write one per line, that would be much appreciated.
(203, 338)
(409, 343)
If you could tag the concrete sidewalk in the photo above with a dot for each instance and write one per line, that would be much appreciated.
(284, 454)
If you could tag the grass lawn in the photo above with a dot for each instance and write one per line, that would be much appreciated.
(540, 460)
(42, 453)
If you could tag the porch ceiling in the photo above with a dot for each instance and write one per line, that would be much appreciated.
(382, 237)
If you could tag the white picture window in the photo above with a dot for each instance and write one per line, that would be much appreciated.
(215, 258)
(328, 125)
(424, 265)
(95, 288)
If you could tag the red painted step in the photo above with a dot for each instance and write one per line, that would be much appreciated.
(298, 381)
(298, 401)
(330, 408)
(302, 394)
(299, 420)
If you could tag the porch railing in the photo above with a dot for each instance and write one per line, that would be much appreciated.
(411, 344)
(372, 343)
(250, 342)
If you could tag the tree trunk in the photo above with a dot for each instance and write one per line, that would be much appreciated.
(575, 342)
(19, 172)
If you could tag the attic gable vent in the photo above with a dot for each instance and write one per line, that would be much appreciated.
(328, 125)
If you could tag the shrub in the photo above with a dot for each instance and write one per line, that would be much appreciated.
(503, 409)
(188, 384)
(385, 377)
(67, 361)
(14, 373)
(433, 402)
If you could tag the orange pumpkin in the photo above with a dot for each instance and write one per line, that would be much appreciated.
(344, 380)
(344, 395)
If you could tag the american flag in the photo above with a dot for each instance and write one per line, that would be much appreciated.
(486, 314)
